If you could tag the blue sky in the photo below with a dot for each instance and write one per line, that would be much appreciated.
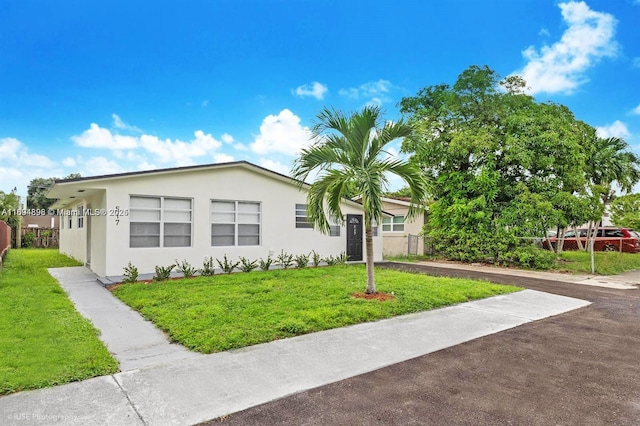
(107, 87)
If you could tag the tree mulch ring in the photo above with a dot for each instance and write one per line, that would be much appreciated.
(374, 296)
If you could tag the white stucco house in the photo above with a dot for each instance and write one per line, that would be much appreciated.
(396, 229)
(154, 217)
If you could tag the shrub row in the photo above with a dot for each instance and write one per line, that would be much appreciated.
(284, 260)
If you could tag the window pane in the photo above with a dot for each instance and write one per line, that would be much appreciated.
(222, 235)
(145, 202)
(177, 241)
(248, 217)
(398, 219)
(249, 241)
(223, 206)
(144, 215)
(177, 216)
(302, 222)
(249, 207)
(142, 228)
(398, 228)
(386, 220)
(144, 241)
(244, 230)
(386, 228)
(177, 203)
(335, 231)
(301, 209)
(223, 217)
(177, 229)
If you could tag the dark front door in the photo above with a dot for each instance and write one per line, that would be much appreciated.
(354, 237)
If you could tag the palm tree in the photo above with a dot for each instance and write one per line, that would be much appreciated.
(610, 161)
(349, 155)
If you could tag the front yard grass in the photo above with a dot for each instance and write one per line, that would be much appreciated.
(606, 263)
(44, 341)
(212, 314)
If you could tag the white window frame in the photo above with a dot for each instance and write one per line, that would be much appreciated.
(393, 224)
(239, 218)
(163, 221)
(80, 217)
(302, 218)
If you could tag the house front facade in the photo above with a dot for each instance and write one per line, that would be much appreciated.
(396, 229)
(154, 218)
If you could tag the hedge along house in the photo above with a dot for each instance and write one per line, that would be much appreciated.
(153, 218)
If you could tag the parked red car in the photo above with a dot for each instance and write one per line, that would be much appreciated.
(607, 239)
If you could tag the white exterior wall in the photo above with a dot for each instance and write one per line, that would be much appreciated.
(73, 240)
(110, 240)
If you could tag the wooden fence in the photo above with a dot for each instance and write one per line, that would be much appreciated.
(5, 240)
(40, 237)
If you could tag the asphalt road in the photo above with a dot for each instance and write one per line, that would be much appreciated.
(578, 368)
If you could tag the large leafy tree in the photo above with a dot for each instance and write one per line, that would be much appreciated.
(9, 202)
(493, 153)
(37, 190)
(349, 156)
(625, 211)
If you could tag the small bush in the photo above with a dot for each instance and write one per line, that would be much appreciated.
(28, 239)
(315, 258)
(285, 260)
(130, 274)
(342, 258)
(163, 273)
(330, 260)
(265, 264)
(302, 260)
(247, 265)
(226, 265)
(207, 267)
(185, 269)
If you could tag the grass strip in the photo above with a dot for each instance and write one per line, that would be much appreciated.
(44, 341)
(212, 314)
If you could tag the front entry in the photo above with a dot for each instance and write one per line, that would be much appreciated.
(354, 237)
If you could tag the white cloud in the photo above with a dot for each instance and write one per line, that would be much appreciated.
(375, 92)
(204, 103)
(276, 166)
(69, 162)
(561, 67)
(179, 152)
(281, 133)
(226, 138)
(119, 124)
(222, 158)
(636, 110)
(97, 166)
(99, 137)
(16, 154)
(314, 89)
(617, 129)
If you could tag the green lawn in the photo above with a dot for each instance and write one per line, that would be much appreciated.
(606, 263)
(211, 314)
(44, 341)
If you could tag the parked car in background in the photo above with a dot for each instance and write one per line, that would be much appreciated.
(607, 239)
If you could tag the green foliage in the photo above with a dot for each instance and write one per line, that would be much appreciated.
(499, 162)
(284, 259)
(130, 273)
(163, 273)
(349, 154)
(342, 258)
(8, 204)
(247, 265)
(185, 269)
(607, 263)
(302, 260)
(265, 264)
(232, 311)
(226, 265)
(28, 239)
(330, 260)
(625, 211)
(207, 267)
(44, 341)
(37, 190)
(316, 258)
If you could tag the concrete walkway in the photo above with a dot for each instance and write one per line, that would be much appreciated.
(193, 389)
(133, 341)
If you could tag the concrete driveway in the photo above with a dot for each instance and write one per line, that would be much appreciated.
(579, 368)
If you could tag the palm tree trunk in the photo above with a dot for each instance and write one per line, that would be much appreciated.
(371, 282)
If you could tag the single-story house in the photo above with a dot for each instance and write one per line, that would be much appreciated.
(152, 218)
(396, 229)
